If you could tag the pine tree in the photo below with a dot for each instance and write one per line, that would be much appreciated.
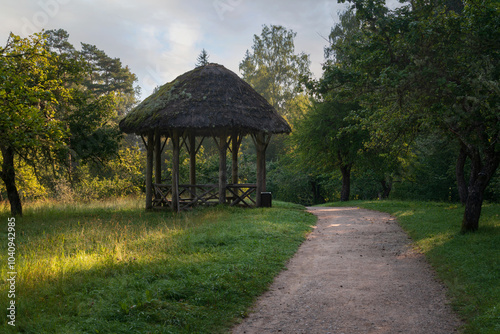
(202, 59)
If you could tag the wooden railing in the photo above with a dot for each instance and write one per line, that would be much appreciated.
(240, 194)
(204, 194)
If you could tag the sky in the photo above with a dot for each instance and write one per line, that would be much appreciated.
(161, 39)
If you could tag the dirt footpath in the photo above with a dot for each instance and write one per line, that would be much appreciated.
(356, 273)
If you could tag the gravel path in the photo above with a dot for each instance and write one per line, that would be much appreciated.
(356, 273)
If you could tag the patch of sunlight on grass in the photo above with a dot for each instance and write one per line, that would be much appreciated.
(51, 268)
(434, 241)
(49, 206)
(95, 247)
(406, 213)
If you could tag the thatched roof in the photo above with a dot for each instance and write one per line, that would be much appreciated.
(208, 100)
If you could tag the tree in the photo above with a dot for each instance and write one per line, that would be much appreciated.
(346, 31)
(329, 138)
(202, 59)
(273, 69)
(336, 123)
(28, 90)
(101, 90)
(58, 109)
(106, 75)
(428, 63)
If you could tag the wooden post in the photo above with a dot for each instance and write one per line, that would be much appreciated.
(175, 171)
(149, 171)
(235, 143)
(157, 157)
(222, 169)
(261, 140)
(192, 163)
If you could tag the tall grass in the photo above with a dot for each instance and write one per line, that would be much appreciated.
(112, 267)
(469, 264)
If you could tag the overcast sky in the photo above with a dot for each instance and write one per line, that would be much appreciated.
(161, 39)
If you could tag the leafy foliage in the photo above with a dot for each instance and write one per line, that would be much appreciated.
(273, 69)
(28, 96)
(29, 92)
(102, 90)
(59, 110)
(425, 66)
(120, 177)
(328, 139)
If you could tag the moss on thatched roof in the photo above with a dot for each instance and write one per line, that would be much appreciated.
(207, 100)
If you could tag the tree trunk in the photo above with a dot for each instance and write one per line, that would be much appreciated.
(460, 174)
(386, 188)
(316, 189)
(346, 182)
(479, 178)
(8, 175)
(470, 222)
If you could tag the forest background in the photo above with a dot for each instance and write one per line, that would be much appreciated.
(407, 108)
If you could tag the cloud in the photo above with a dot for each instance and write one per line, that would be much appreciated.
(161, 39)
(311, 20)
(167, 55)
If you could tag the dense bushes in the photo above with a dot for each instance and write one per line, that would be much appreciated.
(121, 176)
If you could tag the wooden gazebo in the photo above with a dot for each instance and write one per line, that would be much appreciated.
(209, 101)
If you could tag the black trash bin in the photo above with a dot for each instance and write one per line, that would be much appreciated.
(266, 199)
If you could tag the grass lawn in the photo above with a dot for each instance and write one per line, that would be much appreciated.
(469, 264)
(114, 268)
